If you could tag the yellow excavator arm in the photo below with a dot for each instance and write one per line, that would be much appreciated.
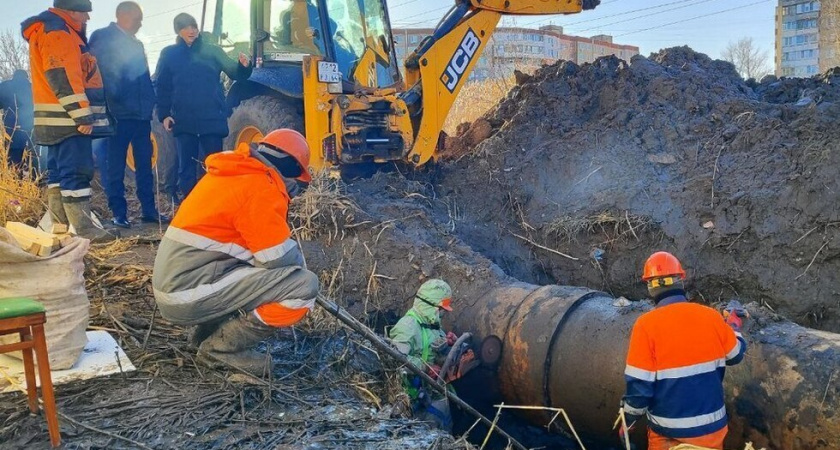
(439, 67)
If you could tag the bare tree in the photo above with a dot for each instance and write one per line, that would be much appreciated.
(14, 54)
(749, 60)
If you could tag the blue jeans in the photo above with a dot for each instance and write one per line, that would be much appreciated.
(137, 133)
(189, 148)
(70, 166)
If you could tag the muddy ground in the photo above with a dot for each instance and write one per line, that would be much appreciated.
(608, 162)
(371, 243)
(330, 389)
(735, 178)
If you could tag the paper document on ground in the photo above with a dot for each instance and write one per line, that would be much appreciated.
(99, 358)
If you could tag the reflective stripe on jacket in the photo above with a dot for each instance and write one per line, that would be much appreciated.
(67, 87)
(675, 367)
(232, 224)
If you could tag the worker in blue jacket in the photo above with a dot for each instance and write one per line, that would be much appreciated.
(131, 99)
(190, 97)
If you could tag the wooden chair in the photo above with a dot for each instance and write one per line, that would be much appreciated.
(26, 317)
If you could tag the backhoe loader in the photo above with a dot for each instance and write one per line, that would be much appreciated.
(328, 69)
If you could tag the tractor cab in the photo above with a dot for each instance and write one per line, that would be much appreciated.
(278, 34)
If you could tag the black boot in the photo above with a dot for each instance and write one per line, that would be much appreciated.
(232, 344)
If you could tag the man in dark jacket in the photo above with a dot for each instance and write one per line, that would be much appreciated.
(70, 109)
(131, 99)
(16, 98)
(190, 98)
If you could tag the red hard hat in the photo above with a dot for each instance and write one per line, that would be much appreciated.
(662, 264)
(293, 144)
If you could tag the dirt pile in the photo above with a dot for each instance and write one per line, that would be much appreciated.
(609, 161)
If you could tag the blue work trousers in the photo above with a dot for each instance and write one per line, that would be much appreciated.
(70, 166)
(192, 150)
(138, 134)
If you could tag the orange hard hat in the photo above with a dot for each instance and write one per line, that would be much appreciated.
(293, 144)
(662, 264)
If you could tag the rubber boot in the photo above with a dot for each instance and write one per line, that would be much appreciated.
(232, 345)
(202, 331)
(78, 214)
(57, 214)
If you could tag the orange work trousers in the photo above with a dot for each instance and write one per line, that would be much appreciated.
(711, 440)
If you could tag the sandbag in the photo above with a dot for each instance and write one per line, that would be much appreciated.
(56, 281)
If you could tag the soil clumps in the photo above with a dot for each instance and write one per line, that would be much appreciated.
(610, 161)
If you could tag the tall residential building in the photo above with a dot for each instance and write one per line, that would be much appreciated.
(807, 37)
(524, 49)
(797, 38)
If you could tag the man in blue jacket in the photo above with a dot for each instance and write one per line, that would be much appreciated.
(131, 98)
(190, 98)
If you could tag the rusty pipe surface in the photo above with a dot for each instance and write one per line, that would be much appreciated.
(566, 347)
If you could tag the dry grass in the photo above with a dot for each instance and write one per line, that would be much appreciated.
(323, 208)
(613, 225)
(20, 196)
(475, 99)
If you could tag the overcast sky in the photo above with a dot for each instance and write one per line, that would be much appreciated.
(705, 25)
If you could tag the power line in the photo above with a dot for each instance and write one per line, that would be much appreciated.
(694, 18)
(421, 14)
(172, 10)
(402, 4)
(644, 16)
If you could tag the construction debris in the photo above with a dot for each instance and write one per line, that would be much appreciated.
(38, 242)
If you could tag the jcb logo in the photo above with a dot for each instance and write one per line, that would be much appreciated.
(460, 60)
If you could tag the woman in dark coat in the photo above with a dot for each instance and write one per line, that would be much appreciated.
(190, 97)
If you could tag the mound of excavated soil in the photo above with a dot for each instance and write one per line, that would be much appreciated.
(611, 161)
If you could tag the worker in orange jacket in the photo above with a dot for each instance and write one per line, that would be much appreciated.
(676, 362)
(228, 263)
(70, 109)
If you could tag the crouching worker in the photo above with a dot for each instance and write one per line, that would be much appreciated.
(419, 336)
(228, 264)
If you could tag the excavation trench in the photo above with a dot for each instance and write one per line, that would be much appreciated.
(565, 346)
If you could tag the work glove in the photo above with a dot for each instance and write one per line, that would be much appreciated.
(451, 338)
(441, 346)
(734, 314)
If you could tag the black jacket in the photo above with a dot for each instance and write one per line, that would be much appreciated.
(189, 87)
(18, 117)
(125, 72)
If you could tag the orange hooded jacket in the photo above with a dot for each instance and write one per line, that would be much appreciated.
(66, 84)
(235, 217)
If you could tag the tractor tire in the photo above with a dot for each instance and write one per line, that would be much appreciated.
(263, 114)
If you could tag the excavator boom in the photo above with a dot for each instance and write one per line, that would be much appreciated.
(442, 63)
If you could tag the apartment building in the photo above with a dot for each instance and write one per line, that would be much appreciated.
(807, 37)
(797, 38)
(524, 49)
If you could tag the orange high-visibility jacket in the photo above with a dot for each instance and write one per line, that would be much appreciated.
(66, 84)
(675, 366)
(232, 225)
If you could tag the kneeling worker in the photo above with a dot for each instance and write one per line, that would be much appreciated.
(419, 336)
(227, 263)
(677, 358)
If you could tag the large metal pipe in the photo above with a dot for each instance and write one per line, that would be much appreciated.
(566, 346)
